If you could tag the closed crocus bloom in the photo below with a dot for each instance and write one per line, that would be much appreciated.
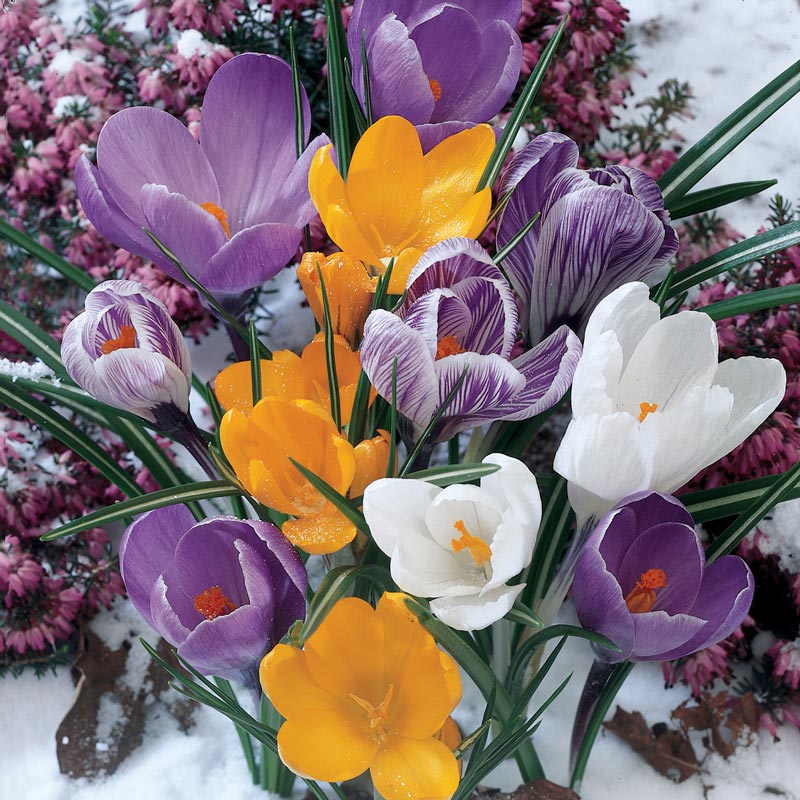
(597, 230)
(349, 289)
(651, 405)
(259, 445)
(396, 201)
(231, 208)
(293, 377)
(459, 545)
(460, 314)
(436, 62)
(642, 581)
(370, 690)
(126, 350)
(223, 591)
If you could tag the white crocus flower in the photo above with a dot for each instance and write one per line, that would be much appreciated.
(651, 405)
(461, 544)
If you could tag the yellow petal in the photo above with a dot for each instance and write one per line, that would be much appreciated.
(321, 533)
(287, 682)
(410, 769)
(401, 270)
(385, 182)
(450, 734)
(372, 458)
(280, 377)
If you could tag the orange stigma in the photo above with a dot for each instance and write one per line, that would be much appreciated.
(479, 551)
(645, 409)
(212, 603)
(218, 215)
(436, 88)
(643, 596)
(126, 338)
(448, 346)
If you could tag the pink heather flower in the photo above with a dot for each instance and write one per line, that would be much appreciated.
(294, 7)
(19, 573)
(786, 662)
(156, 16)
(196, 60)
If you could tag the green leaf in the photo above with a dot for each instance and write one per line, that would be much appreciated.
(708, 199)
(71, 436)
(366, 81)
(725, 501)
(501, 255)
(46, 256)
(521, 615)
(457, 473)
(752, 302)
(337, 91)
(700, 159)
(191, 492)
(526, 98)
(330, 355)
(31, 337)
(529, 691)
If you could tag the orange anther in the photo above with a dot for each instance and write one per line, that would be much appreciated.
(219, 215)
(645, 409)
(213, 603)
(448, 346)
(126, 338)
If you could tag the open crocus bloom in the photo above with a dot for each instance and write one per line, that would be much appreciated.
(231, 208)
(370, 691)
(436, 62)
(396, 201)
(224, 591)
(459, 545)
(126, 350)
(642, 581)
(598, 229)
(460, 313)
(651, 405)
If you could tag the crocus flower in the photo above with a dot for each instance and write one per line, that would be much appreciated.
(460, 313)
(396, 201)
(126, 351)
(349, 290)
(293, 377)
(598, 229)
(642, 581)
(370, 691)
(436, 62)
(223, 591)
(231, 208)
(651, 406)
(459, 545)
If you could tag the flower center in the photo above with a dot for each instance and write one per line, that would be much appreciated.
(479, 551)
(377, 716)
(643, 596)
(218, 215)
(645, 409)
(448, 346)
(213, 603)
(436, 88)
(126, 338)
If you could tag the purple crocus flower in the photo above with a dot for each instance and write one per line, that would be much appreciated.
(230, 208)
(460, 313)
(224, 591)
(126, 350)
(642, 581)
(598, 229)
(436, 62)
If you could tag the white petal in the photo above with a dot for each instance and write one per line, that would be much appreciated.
(596, 381)
(479, 510)
(512, 549)
(423, 568)
(476, 613)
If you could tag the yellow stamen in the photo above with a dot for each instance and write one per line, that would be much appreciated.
(436, 88)
(645, 409)
(378, 717)
(643, 596)
(448, 346)
(213, 603)
(219, 215)
(479, 551)
(126, 338)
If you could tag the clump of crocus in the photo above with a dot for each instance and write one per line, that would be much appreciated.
(397, 202)
(370, 690)
(459, 545)
(435, 63)
(126, 351)
(223, 591)
(651, 405)
(459, 318)
(597, 230)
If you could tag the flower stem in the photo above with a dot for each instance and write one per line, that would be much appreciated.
(189, 435)
(501, 648)
(244, 737)
(275, 776)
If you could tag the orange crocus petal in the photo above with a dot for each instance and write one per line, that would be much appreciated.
(450, 734)
(372, 459)
(401, 270)
(408, 769)
(321, 533)
(280, 377)
(345, 654)
(385, 183)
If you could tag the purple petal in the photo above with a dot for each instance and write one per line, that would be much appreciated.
(507, 10)
(140, 146)
(164, 619)
(251, 257)
(656, 632)
(248, 134)
(454, 318)
(423, 317)
(494, 317)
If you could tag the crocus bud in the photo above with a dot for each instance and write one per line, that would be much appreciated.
(126, 351)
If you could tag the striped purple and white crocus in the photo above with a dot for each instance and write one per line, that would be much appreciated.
(126, 351)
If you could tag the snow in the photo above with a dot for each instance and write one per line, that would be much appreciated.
(65, 60)
(69, 104)
(191, 43)
(782, 529)
(727, 49)
(20, 369)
